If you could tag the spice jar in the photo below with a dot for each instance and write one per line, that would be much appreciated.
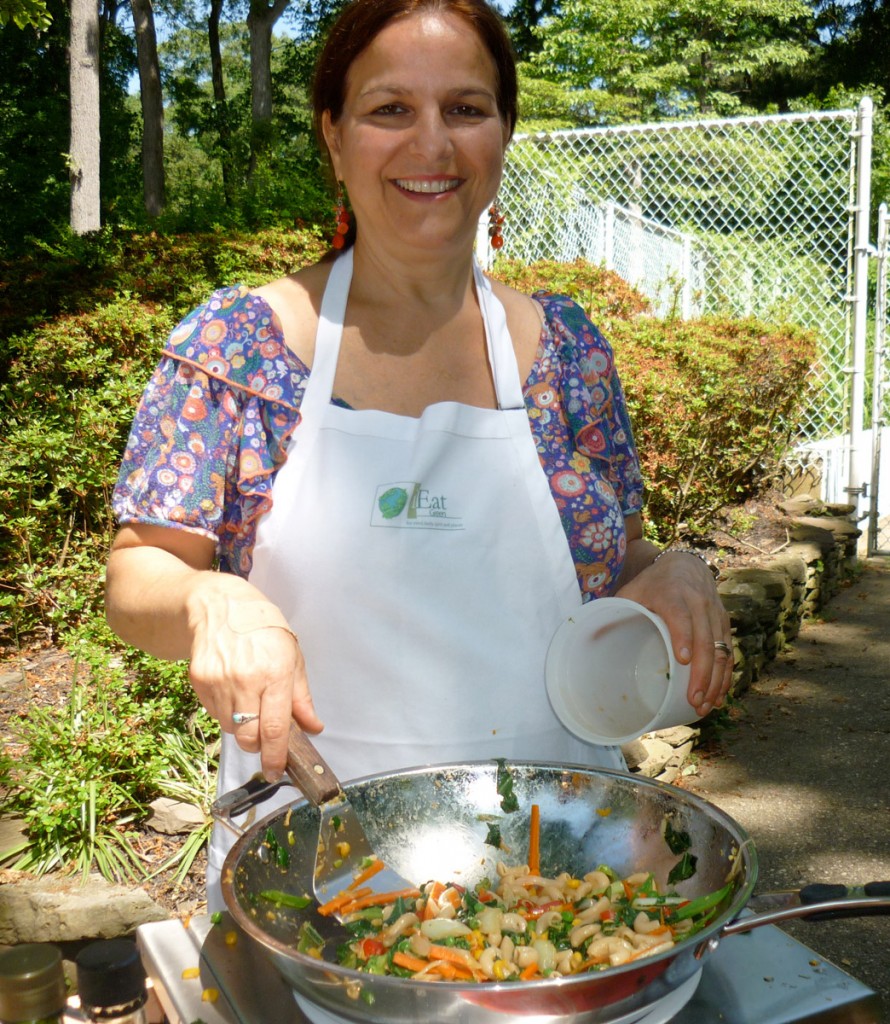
(32, 984)
(111, 982)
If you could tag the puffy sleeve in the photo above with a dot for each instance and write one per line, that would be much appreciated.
(212, 427)
(593, 399)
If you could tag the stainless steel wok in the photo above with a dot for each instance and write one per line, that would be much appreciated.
(432, 823)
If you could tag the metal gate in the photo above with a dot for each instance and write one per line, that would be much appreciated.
(765, 216)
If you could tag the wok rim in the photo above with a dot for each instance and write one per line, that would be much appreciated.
(706, 937)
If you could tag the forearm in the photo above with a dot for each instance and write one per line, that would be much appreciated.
(156, 601)
(640, 555)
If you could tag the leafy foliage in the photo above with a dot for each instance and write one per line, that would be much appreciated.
(715, 403)
(674, 58)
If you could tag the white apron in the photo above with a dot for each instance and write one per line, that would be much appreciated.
(424, 566)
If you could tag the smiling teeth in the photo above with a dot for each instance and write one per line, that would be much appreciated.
(427, 186)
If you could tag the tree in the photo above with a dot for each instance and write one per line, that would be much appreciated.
(152, 101)
(260, 21)
(674, 58)
(25, 13)
(84, 105)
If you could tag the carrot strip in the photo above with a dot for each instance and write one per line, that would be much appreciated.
(458, 957)
(375, 898)
(534, 841)
(451, 971)
(363, 876)
(528, 972)
(341, 899)
(409, 962)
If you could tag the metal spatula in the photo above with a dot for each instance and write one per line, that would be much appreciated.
(343, 855)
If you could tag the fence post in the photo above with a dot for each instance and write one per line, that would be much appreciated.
(858, 470)
(877, 386)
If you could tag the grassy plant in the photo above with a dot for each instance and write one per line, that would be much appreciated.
(93, 767)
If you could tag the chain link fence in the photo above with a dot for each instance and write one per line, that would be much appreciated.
(747, 216)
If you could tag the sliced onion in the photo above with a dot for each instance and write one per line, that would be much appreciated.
(546, 954)
(443, 928)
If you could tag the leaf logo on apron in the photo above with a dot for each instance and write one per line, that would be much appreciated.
(412, 506)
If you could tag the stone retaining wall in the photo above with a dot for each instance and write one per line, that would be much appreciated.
(766, 606)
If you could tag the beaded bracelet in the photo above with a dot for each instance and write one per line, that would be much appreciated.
(715, 572)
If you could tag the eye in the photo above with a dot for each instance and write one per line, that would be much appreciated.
(388, 110)
(467, 110)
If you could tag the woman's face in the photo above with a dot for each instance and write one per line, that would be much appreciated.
(420, 141)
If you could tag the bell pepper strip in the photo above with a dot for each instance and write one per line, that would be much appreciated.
(285, 899)
(700, 905)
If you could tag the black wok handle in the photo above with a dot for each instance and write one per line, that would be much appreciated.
(825, 892)
(308, 770)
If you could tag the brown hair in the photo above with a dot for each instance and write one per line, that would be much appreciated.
(361, 21)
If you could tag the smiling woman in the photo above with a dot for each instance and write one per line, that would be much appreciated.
(380, 449)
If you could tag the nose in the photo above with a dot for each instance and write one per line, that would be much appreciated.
(431, 138)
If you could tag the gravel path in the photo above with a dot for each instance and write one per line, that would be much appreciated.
(805, 769)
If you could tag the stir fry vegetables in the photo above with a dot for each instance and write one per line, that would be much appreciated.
(526, 928)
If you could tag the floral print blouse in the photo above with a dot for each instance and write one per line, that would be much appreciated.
(213, 426)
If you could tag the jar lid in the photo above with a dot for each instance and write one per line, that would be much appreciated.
(110, 973)
(32, 983)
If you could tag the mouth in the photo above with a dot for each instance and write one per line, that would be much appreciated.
(426, 186)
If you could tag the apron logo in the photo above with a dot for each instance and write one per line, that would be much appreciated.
(412, 506)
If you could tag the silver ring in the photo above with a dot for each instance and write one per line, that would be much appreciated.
(721, 646)
(240, 717)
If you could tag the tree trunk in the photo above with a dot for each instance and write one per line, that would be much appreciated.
(85, 139)
(220, 108)
(260, 22)
(153, 185)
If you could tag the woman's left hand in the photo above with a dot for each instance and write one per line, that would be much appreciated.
(680, 588)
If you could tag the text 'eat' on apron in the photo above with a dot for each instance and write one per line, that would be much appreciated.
(424, 566)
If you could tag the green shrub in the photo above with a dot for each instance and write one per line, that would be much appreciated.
(715, 405)
(69, 388)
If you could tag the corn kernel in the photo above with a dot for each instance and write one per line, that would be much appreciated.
(210, 995)
(501, 970)
(343, 849)
(191, 972)
(573, 883)
(231, 938)
(604, 812)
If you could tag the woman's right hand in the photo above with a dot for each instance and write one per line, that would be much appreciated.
(245, 659)
(163, 596)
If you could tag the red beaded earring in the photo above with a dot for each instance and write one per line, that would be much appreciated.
(495, 225)
(342, 228)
